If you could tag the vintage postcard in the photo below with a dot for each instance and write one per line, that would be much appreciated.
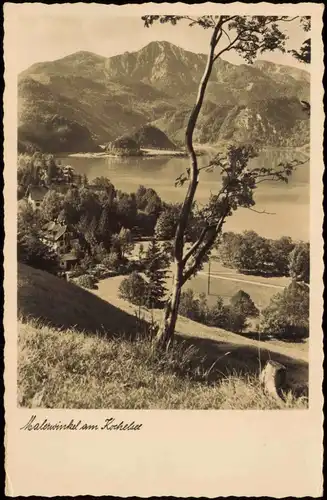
(163, 250)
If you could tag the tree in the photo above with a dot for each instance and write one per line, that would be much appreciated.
(87, 231)
(133, 288)
(248, 252)
(167, 222)
(242, 303)
(287, 315)
(156, 264)
(255, 254)
(29, 221)
(189, 305)
(304, 53)
(235, 320)
(280, 250)
(141, 251)
(228, 248)
(299, 262)
(104, 229)
(153, 204)
(71, 206)
(34, 253)
(217, 315)
(89, 203)
(112, 261)
(139, 195)
(126, 209)
(105, 188)
(52, 205)
(29, 171)
(84, 180)
(248, 36)
(52, 168)
(125, 241)
(86, 281)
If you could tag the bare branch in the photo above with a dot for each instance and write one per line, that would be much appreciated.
(197, 244)
(260, 211)
(227, 19)
(195, 21)
(206, 247)
(225, 32)
(288, 20)
(230, 46)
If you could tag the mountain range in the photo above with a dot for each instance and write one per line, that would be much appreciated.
(83, 100)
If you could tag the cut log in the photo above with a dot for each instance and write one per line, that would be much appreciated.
(273, 378)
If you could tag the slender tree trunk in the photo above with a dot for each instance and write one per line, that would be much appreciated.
(167, 330)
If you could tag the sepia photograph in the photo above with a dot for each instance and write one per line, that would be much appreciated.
(163, 187)
(163, 253)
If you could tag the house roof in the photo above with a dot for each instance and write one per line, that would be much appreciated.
(49, 226)
(37, 193)
(54, 231)
(60, 232)
(68, 256)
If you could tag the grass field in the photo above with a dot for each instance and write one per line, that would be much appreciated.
(78, 350)
(71, 370)
(225, 282)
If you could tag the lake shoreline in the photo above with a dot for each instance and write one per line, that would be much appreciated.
(288, 202)
(146, 154)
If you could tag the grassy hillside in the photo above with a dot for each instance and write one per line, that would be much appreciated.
(54, 302)
(71, 370)
(78, 351)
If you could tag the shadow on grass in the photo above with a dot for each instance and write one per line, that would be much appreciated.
(265, 338)
(223, 358)
(63, 305)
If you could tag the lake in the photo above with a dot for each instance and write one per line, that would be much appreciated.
(289, 203)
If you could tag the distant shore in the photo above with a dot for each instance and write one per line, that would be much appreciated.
(199, 149)
(145, 153)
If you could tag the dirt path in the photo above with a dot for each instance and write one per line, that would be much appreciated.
(259, 283)
(108, 290)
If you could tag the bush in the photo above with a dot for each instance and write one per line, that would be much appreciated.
(189, 306)
(134, 289)
(287, 315)
(76, 271)
(242, 303)
(34, 253)
(235, 321)
(217, 315)
(232, 317)
(87, 263)
(112, 261)
(86, 281)
(299, 263)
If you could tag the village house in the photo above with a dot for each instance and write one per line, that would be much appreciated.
(58, 237)
(67, 261)
(35, 195)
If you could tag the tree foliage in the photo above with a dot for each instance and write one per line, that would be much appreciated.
(299, 262)
(242, 303)
(34, 253)
(303, 54)
(287, 315)
(156, 263)
(252, 254)
(134, 289)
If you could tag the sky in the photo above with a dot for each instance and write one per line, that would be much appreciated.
(44, 35)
